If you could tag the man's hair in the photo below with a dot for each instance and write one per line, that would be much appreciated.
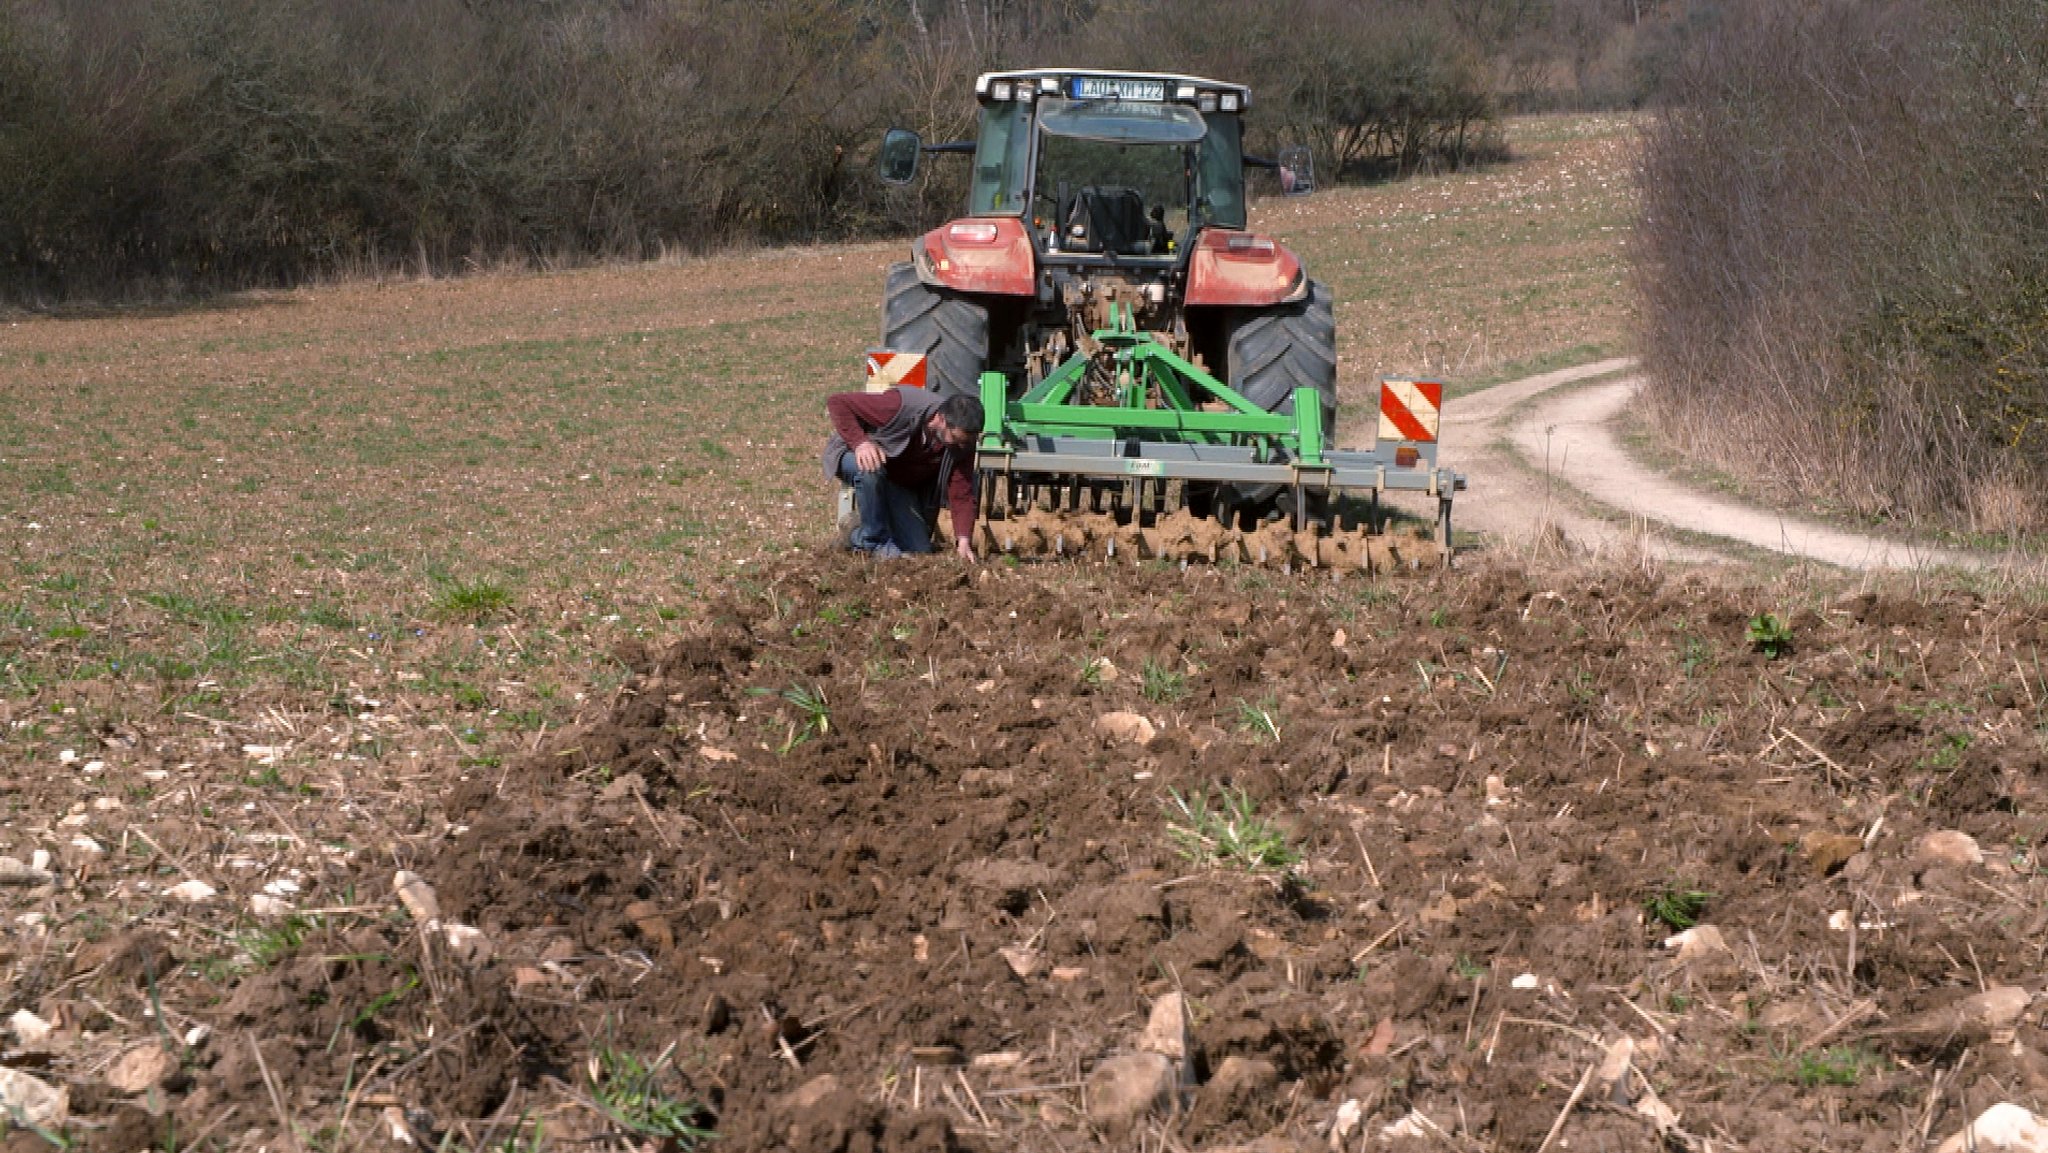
(963, 411)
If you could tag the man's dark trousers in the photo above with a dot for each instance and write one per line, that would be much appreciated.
(890, 515)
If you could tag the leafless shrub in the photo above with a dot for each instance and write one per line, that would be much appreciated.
(1844, 266)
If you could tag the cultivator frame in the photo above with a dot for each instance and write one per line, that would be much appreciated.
(1154, 417)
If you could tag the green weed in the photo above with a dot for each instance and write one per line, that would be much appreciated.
(1769, 635)
(1226, 830)
(268, 945)
(1696, 656)
(631, 1092)
(1836, 1065)
(1093, 672)
(472, 601)
(814, 715)
(1260, 718)
(1163, 683)
(1677, 906)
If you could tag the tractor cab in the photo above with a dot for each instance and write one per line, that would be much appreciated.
(1083, 178)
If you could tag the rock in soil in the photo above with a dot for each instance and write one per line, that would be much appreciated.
(417, 896)
(192, 892)
(1826, 853)
(2004, 1128)
(29, 1029)
(1124, 1090)
(1946, 847)
(1128, 728)
(1166, 1033)
(34, 1101)
(141, 1068)
(1241, 1089)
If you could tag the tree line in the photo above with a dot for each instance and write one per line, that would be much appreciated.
(165, 145)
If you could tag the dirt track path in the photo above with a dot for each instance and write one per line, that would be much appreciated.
(1536, 453)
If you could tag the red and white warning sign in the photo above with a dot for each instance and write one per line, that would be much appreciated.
(1409, 409)
(887, 369)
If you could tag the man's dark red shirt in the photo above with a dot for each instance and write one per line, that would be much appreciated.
(917, 466)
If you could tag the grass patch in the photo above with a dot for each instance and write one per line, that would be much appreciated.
(1260, 718)
(474, 601)
(1677, 905)
(633, 1094)
(1162, 683)
(1835, 1065)
(1226, 830)
(267, 945)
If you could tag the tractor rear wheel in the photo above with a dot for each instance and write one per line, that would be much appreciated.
(948, 328)
(1270, 353)
(1274, 351)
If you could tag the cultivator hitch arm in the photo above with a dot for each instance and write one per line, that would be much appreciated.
(1127, 443)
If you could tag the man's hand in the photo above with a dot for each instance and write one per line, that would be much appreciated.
(965, 548)
(869, 456)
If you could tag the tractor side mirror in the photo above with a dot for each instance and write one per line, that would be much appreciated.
(1297, 171)
(900, 150)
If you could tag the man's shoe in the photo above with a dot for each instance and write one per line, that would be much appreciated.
(887, 550)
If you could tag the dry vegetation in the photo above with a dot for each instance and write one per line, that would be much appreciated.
(1844, 270)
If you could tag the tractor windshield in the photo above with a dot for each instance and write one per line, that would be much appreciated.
(1167, 156)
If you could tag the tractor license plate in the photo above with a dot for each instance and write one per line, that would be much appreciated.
(1118, 88)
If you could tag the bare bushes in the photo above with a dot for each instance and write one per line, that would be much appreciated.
(153, 144)
(262, 141)
(1845, 254)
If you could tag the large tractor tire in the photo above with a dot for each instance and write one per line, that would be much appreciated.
(1272, 352)
(951, 330)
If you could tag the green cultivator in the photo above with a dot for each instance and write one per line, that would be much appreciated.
(1130, 450)
(1160, 380)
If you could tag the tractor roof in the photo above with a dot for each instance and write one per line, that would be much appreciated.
(1063, 75)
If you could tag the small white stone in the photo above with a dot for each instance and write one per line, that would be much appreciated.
(32, 1101)
(1350, 1115)
(85, 844)
(196, 1036)
(1525, 981)
(93, 766)
(192, 892)
(468, 944)
(67, 756)
(1166, 1031)
(265, 905)
(281, 888)
(1698, 941)
(417, 896)
(2005, 1128)
(29, 1029)
(1840, 920)
(39, 860)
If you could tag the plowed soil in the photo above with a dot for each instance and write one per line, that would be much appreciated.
(797, 843)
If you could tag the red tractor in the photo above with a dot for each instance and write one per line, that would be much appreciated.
(1107, 199)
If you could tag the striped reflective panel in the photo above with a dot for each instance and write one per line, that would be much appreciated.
(886, 369)
(1409, 408)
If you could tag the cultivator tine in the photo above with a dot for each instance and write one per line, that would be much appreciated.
(1036, 532)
